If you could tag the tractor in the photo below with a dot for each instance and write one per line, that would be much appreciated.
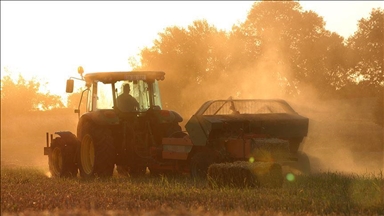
(149, 139)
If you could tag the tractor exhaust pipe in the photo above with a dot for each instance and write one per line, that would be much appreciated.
(47, 136)
(47, 150)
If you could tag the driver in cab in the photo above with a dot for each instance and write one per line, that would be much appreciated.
(126, 102)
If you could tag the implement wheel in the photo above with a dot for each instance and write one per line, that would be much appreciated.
(62, 158)
(96, 152)
(200, 163)
(303, 163)
(301, 166)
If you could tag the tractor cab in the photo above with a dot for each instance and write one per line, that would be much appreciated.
(104, 90)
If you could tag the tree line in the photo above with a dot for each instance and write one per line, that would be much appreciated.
(22, 97)
(280, 50)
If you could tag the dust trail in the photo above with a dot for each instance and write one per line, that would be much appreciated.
(23, 136)
(342, 135)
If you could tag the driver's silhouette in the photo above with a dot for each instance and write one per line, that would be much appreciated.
(126, 102)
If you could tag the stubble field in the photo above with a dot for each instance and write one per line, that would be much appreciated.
(29, 191)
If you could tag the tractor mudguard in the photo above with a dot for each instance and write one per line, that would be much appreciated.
(102, 117)
(65, 134)
(167, 116)
(177, 116)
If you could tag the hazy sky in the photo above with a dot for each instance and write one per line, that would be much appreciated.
(50, 39)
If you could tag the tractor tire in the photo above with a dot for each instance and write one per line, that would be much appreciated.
(62, 160)
(302, 166)
(97, 153)
(200, 163)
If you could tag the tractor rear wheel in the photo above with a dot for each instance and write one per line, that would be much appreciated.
(97, 153)
(200, 163)
(62, 158)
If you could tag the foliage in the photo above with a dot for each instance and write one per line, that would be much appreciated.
(290, 48)
(23, 96)
(367, 61)
(193, 58)
(280, 50)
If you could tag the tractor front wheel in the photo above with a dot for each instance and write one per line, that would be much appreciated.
(62, 158)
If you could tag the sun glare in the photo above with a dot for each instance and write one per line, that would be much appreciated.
(40, 40)
(51, 49)
(290, 177)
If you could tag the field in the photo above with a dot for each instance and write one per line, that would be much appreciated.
(31, 192)
(346, 152)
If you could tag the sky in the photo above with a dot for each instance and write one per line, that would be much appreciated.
(48, 40)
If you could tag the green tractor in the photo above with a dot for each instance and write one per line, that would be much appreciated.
(110, 133)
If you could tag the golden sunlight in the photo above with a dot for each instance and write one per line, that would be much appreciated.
(50, 45)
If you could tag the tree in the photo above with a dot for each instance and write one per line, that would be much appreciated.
(192, 58)
(367, 51)
(279, 51)
(290, 49)
(23, 96)
(366, 61)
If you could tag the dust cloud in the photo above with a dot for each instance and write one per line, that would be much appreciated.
(23, 136)
(342, 134)
(264, 79)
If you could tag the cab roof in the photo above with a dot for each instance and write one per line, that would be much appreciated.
(112, 77)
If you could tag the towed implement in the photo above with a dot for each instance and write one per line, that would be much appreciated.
(260, 135)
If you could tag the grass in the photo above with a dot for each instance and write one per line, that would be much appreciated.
(29, 191)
